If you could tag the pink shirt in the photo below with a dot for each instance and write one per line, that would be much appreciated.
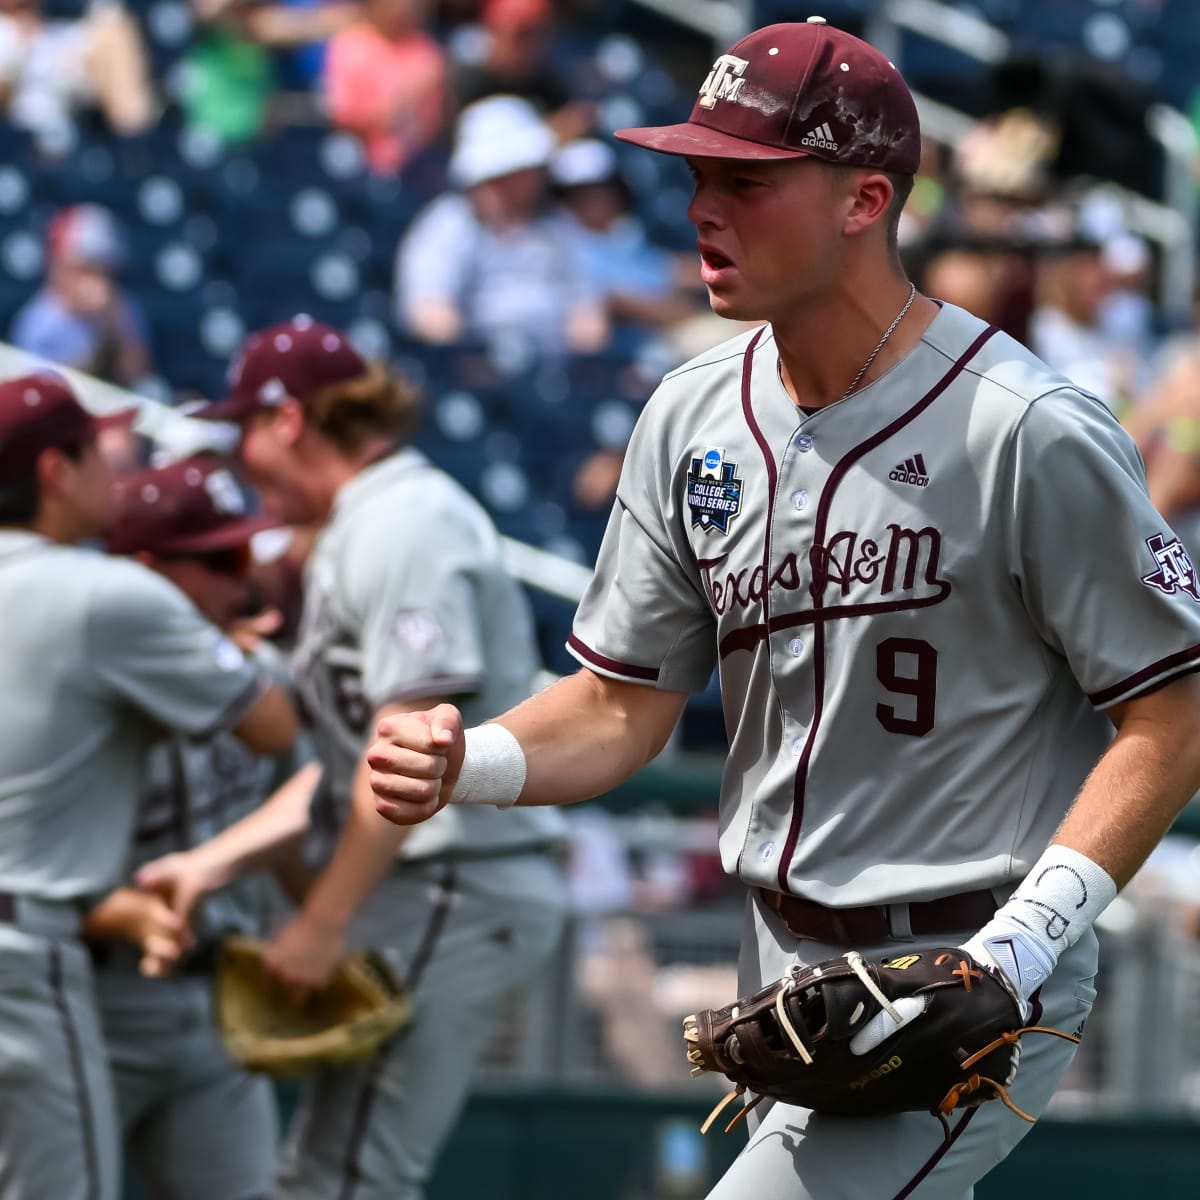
(390, 93)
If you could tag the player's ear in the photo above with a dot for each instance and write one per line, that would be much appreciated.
(870, 198)
(289, 421)
(54, 470)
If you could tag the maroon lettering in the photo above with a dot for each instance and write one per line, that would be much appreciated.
(905, 547)
(907, 560)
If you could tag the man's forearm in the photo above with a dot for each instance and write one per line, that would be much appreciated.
(264, 837)
(586, 734)
(1129, 801)
(364, 854)
(1137, 789)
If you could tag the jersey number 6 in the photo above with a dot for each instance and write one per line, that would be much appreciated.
(920, 685)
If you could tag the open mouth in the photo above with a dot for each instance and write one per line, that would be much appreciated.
(714, 259)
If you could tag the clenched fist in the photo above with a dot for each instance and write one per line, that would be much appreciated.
(415, 763)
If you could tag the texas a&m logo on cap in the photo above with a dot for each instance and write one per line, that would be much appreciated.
(724, 81)
(714, 493)
(1175, 572)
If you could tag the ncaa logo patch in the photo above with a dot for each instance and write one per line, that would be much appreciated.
(714, 492)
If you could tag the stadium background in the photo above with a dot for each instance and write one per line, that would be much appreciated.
(226, 234)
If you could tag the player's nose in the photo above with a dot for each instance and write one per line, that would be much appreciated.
(703, 211)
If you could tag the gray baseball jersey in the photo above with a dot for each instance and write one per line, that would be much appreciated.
(920, 600)
(98, 654)
(406, 596)
(197, 787)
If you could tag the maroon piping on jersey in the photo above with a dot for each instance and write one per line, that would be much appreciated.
(1175, 665)
(1035, 1018)
(937, 1156)
(352, 1172)
(768, 461)
(611, 664)
(83, 1096)
(835, 478)
(749, 637)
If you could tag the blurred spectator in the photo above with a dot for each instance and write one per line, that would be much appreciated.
(230, 70)
(300, 30)
(1065, 329)
(644, 286)
(1166, 426)
(515, 60)
(50, 71)
(385, 80)
(493, 259)
(637, 1000)
(81, 318)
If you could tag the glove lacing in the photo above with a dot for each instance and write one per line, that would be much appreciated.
(974, 1082)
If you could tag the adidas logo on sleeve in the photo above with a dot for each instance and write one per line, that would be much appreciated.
(820, 138)
(912, 471)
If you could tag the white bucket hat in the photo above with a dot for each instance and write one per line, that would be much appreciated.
(497, 136)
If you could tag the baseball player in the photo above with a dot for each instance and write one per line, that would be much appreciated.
(934, 585)
(406, 601)
(97, 656)
(195, 1125)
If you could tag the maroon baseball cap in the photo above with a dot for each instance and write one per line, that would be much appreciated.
(798, 90)
(191, 507)
(295, 358)
(39, 412)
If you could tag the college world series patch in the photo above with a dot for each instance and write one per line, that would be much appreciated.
(714, 492)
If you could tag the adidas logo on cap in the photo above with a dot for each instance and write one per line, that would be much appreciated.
(911, 470)
(820, 138)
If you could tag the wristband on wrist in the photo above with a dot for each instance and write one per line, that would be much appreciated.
(493, 768)
(1056, 903)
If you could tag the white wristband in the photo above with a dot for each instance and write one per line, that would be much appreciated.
(493, 768)
(1056, 903)
(1060, 899)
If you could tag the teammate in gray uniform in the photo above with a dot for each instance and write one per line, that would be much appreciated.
(195, 1125)
(932, 580)
(406, 601)
(97, 656)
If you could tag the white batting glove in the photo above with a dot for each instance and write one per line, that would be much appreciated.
(1023, 958)
(881, 1026)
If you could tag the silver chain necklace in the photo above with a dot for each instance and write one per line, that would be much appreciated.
(887, 333)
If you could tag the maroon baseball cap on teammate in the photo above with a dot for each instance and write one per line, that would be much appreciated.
(191, 507)
(39, 412)
(798, 90)
(295, 358)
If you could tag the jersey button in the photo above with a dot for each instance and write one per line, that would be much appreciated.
(796, 647)
(804, 442)
(798, 747)
(799, 500)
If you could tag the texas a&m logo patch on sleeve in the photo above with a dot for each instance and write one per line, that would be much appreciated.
(714, 493)
(1174, 571)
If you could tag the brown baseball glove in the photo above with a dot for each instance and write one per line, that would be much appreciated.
(267, 1027)
(950, 1037)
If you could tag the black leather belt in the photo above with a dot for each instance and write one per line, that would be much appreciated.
(872, 923)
